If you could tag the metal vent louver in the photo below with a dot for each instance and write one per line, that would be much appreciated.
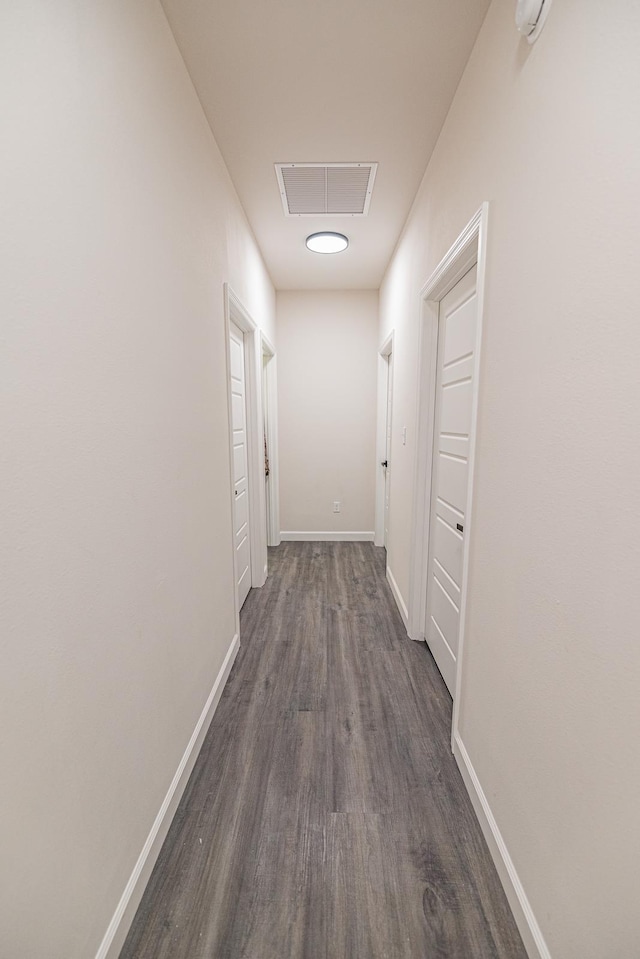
(326, 189)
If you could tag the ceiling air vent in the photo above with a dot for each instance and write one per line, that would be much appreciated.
(326, 189)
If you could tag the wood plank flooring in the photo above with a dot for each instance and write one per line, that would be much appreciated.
(325, 817)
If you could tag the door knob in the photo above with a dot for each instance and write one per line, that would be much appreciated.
(384, 463)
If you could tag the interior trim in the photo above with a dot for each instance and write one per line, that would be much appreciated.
(118, 928)
(327, 536)
(397, 595)
(523, 914)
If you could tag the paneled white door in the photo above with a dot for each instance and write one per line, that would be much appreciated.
(242, 542)
(387, 456)
(456, 371)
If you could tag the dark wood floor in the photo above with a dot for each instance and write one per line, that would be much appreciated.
(325, 817)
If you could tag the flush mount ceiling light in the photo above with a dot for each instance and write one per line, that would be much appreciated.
(327, 242)
(530, 17)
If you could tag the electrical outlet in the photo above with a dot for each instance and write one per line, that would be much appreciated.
(336, 506)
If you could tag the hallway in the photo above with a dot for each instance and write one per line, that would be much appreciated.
(326, 816)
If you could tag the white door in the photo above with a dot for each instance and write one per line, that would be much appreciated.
(387, 455)
(265, 428)
(454, 395)
(242, 542)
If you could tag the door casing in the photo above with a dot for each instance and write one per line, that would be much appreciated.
(468, 249)
(235, 312)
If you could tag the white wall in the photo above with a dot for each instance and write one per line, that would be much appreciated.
(119, 227)
(549, 708)
(327, 344)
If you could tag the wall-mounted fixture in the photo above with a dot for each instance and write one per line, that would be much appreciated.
(530, 17)
(327, 242)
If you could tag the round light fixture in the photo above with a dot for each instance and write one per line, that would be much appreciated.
(530, 17)
(327, 242)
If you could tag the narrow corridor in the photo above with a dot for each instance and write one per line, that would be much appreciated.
(325, 817)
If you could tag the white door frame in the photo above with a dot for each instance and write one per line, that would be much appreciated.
(236, 313)
(269, 371)
(468, 249)
(384, 352)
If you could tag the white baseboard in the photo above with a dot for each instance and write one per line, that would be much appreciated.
(130, 900)
(327, 536)
(397, 595)
(520, 906)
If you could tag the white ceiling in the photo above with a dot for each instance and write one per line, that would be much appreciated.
(336, 81)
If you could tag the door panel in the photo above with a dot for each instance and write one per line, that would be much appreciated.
(242, 553)
(447, 549)
(454, 403)
(455, 412)
(241, 510)
(455, 445)
(237, 410)
(240, 470)
(237, 353)
(445, 614)
(239, 457)
(461, 330)
(452, 479)
(452, 589)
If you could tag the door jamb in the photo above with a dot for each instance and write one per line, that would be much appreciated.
(235, 312)
(384, 352)
(468, 249)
